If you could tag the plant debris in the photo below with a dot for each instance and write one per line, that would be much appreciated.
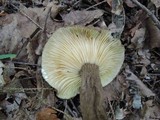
(26, 26)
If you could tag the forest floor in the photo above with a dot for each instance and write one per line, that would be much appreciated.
(26, 25)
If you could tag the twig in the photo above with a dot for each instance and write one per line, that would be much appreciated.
(47, 16)
(62, 112)
(22, 89)
(23, 109)
(111, 109)
(74, 107)
(95, 5)
(24, 63)
(151, 15)
(68, 108)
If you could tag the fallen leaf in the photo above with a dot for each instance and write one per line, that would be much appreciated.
(9, 35)
(152, 111)
(31, 46)
(134, 29)
(54, 10)
(143, 71)
(138, 39)
(12, 107)
(47, 114)
(118, 18)
(82, 17)
(3, 115)
(16, 27)
(117, 7)
(156, 3)
(129, 3)
(153, 34)
(109, 2)
(144, 56)
(26, 25)
(116, 86)
(143, 88)
(8, 71)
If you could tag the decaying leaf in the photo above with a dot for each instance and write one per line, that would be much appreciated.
(151, 111)
(117, 7)
(10, 33)
(118, 18)
(129, 3)
(144, 56)
(116, 86)
(16, 27)
(82, 17)
(156, 3)
(109, 2)
(47, 114)
(143, 88)
(138, 39)
(143, 71)
(31, 51)
(153, 34)
(11, 107)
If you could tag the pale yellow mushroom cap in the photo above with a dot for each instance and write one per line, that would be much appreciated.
(71, 47)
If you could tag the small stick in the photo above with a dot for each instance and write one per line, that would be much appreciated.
(150, 14)
(111, 109)
(28, 89)
(24, 63)
(96, 5)
(68, 108)
(74, 107)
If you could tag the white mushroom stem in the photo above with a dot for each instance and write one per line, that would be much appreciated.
(91, 93)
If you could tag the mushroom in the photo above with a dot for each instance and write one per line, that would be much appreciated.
(76, 56)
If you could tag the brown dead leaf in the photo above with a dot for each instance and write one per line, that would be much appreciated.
(118, 18)
(16, 27)
(82, 17)
(156, 3)
(133, 30)
(14, 85)
(46, 17)
(153, 34)
(54, 10)
(8, 71)
(10, 36)
(48, 23)
(47, 114)
(117, 7)
(26, 26)
(150, 111)
(10, 68)
(143, 88)
(129, 3)
(31, 47)
(111, 91)
(143, 71)
(109, 2)
(138, 39)
(144, 56)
